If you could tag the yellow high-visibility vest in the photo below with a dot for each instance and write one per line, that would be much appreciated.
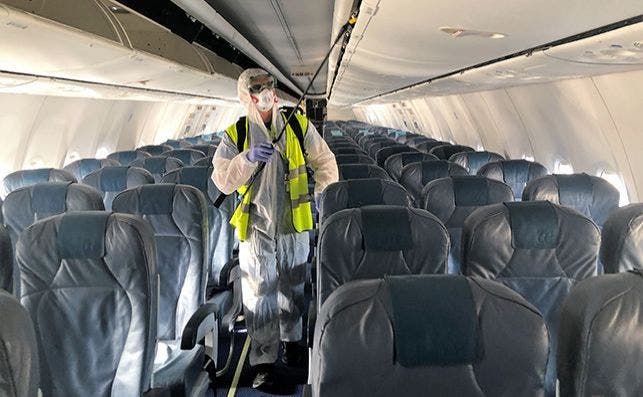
(302, 217)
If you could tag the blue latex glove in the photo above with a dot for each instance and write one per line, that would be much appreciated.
(261, 152)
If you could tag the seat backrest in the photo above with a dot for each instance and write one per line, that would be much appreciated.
(590, 195)
(622, 240)
(83, 167)
(414, 141)
(342, 145)
(19, 372)
(89, 282)
(373, 147)
(357, 193)
(23, 178)
(179, 219)
(361, 171)
(221, 236)
(6, 261)
(427, 146)
(193, 140)
(536, 248)
(204, 162)
(444, 152)
(353, 159)
(453, 199)
(600, 345)
(213, 139)
(158, 165)
(127, 157)
(175, 143)
(207, 150)
(416, 175)
(515, 173)
(109, 181)
(428, 335)
(384, 153)
(346, 150)
(473, 161)
(155, 150)
(397, 162)
(378, 240)
(187, 156)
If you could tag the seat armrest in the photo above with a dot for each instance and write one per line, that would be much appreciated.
(202, 323)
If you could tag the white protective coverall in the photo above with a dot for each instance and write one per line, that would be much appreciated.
(273, 257)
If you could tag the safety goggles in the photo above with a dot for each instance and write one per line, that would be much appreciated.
(260, 83)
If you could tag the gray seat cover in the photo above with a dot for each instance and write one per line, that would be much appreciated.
(23, 178)
(207, 150)
(515, 173)
(19, 372)
(89, 283)
(453, 199)
(221, 236)
(444, 152)
(127, 157)
(590, 195)
(473, 161)
(600, 346)
(83, 167)
(155, 150)
(538, 249)
(376, 240)
(416, 175)
(158, 165)
(353, 159)
(394, 164)
(6, 261)
(110, 181)
(384, 153)
(360, 192)
(179, 219)
(187, 156)
(622, 240)
(362, 331)
(361, 171)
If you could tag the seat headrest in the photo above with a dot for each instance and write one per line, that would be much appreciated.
(378, 222)
(622, 242)
(196, 176)
(408, 158)
(156, 199)
(363, 192)
(429, 328)
(534, 224)
(114, 179)
(82, 234)
(473, 161)
(49, 197)
(470, 191)
(155, 165)
(87, 166)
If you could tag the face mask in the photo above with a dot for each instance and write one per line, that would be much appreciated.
(265, 100)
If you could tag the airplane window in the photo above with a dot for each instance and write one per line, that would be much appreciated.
(102, 153)
(563, 167)
(528, 158)
(617, 181)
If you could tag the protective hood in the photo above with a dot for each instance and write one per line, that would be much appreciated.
(245, 98)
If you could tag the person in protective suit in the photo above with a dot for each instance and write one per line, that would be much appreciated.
(273, 217)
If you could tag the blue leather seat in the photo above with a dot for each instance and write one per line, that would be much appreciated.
(175, 143)
(158, 165)
(155, 150)
(89, 282)
(384, 153)
(207, 150)
(394, 164)
(539, 249)
(353, 159)
(83, 167)
(622, 240)
(515, 173)
(7, 269)
(416, 175)
(178, 215)
(29, 204)
(361, 171)
(109, 181)
(204, 162)
(23, 178)
(590, 195)
(127, 157)
(19, 372)
(453, 199)
(357, 193)
(426, 146)
(473, 161)
(444, 152)
(187, 156)
(428, 336)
